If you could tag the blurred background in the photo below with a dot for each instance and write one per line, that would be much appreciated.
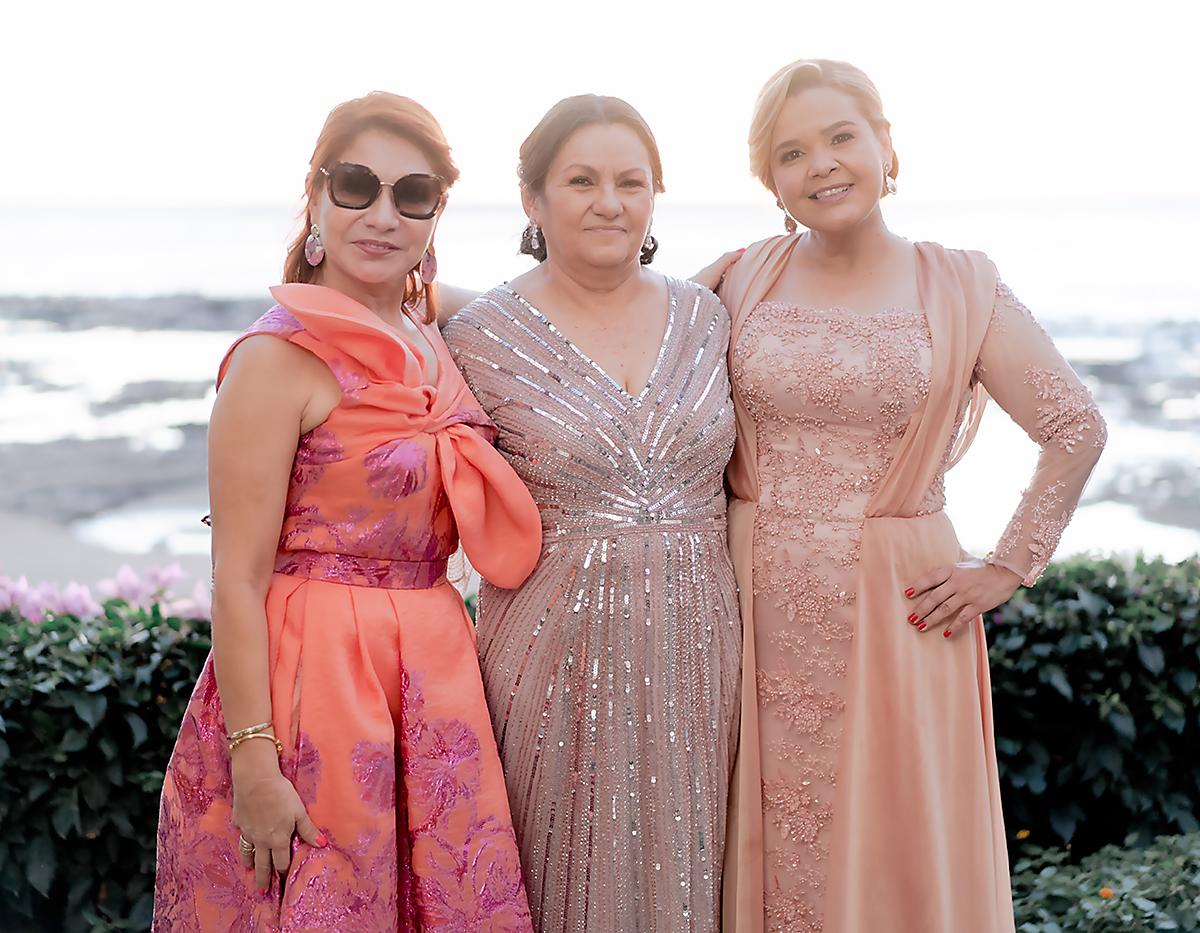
(155, 156)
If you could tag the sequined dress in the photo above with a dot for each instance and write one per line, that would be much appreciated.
(613, 673)
(918, 848)
(374, 681)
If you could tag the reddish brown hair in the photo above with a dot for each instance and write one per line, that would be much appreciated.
(378, 110)
(557, 126)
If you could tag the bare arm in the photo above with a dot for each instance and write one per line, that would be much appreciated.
(271, 394)
(712, 275)
(451, 299)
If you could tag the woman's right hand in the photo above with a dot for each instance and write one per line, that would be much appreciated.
(711, 275)
(267, 810)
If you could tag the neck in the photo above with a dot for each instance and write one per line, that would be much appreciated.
(587, 286)
(384, 299)
(860, 245)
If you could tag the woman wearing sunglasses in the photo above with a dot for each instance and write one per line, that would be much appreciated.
(336, 767)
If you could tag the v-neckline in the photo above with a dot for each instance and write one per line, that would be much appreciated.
(668, 331)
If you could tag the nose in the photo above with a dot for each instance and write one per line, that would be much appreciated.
(821, 164)
(607, 204)
(382, 213)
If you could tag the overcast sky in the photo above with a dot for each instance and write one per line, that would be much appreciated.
(220, 103)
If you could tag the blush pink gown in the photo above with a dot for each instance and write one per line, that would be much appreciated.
(867, 797)
(374, 679)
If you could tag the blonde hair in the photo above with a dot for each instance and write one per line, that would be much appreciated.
(800, 76)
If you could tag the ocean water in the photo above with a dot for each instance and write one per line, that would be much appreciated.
(1095, 273)
(1108, 261)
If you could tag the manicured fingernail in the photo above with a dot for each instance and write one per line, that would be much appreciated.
(909, 592)
(921, 627)
(322, 840)
(262, 892)
(742, 250)
(946, 634)
(912, 617)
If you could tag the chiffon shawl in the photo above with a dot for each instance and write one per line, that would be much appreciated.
(917, 719)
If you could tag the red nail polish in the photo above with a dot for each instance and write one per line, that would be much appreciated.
(322, 840)
(909, 592)
(921, 627)
(262, 892)
(912, 617)
(946, 634)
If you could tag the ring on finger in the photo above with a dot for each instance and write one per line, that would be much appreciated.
(245, 845)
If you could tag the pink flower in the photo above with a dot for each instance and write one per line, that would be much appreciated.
(128, 586)
(76, 599)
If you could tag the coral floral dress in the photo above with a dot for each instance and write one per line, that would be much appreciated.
(375, 685)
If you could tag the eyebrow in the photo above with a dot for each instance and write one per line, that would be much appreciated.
(579, 166)
(789, 143)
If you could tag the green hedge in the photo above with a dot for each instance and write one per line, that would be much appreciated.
(88, 715)
(1111, 891)
(1094, 675)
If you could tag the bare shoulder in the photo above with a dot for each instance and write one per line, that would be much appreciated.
(265, 358)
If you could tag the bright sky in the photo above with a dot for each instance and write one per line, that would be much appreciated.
(219, 102)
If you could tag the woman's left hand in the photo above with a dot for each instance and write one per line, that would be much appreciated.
(948, 598)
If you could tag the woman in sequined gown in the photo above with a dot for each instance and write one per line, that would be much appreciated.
(347, 461)
(866, 796)
(612, 674)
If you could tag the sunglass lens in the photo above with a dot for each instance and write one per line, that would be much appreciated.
(353, 186)
(417, 195)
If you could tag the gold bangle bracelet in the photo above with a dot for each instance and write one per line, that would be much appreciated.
(249, 730)
(257, 735)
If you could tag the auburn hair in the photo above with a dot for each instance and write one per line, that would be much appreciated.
(390, 113)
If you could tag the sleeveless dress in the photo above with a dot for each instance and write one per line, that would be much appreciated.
(375, 685)
(612, 673)
(869, 797)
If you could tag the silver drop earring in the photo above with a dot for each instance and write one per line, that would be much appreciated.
(535, 242)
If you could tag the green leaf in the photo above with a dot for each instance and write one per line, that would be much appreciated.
(91, 708)
(1152, 658)
(1055, 676)
(41, 864)
(73, 741)
(1123, 725)
(137, 727)
(66, 815)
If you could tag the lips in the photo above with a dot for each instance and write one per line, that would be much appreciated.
(376, 247)
(831, 193)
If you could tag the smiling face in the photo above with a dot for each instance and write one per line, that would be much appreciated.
(595, 205)
(828, 162)
(375, 247)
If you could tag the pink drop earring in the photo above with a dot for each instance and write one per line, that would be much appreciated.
(314, 249)
(428, 267)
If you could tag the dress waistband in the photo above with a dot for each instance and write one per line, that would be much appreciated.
(362, 571)
(560, 526)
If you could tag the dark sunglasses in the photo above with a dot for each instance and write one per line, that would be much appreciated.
(417, 196)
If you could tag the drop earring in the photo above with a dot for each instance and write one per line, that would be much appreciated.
(314, 249)
(535, 242)
(428, 267)
(789, 222)
(889, 183)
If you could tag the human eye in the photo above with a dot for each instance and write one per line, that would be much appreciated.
(633, 183)
(790, 155)
(842, 138)
(580, 180)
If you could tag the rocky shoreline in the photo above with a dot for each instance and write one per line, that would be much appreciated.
(1155, 383)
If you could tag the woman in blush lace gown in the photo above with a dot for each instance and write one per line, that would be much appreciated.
(336, 769)
(612, 674)
(866, 794)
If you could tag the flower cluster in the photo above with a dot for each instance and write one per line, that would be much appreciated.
(34, 602)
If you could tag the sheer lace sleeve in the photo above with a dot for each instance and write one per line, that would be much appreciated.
(1024, 372)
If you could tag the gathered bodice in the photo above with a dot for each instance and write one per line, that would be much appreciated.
(371, 497)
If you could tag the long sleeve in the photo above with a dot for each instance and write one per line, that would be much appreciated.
(1024, 372)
